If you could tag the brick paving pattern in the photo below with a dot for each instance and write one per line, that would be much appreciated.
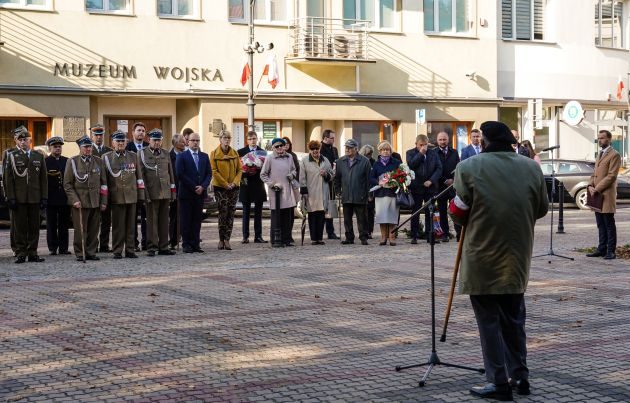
(308, 324)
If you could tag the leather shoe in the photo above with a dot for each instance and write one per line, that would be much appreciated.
(92, 257)
(65, 252)
(610, 256)
(245, 240)
(198, 250)
(226, 245)
(166, 252)
(521, 386)
(333, 236)
(414, 241)
(188, 250)
(151, 253)
(117, 256)
(131, 256)
(260, 240)
(52, 253)
(346, 242)
(104, 250)
(20, 259)
(364, 242)
(35, 258)
(289, 244)
(595, 254)
(492, 391)
(445, 239)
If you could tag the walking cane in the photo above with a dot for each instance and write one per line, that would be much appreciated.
(177, 228)
(458, 260)
(82, 233)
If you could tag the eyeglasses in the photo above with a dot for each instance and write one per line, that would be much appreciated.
(226, 138)
(278, 146)
(193, 140)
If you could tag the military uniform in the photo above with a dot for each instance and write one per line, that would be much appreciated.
(26, 187)
(57, 211)
(85, 181)
(5, 163)
(126, 187)
(106, 215)
(159, 183)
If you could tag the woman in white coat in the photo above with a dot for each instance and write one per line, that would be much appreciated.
(315, 174)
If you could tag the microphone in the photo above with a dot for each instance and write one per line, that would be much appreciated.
(550, 148)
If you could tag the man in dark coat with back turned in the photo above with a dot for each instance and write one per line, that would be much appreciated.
(57, 211)
(492, 189)
(252, 190)
(428, 169)
(449, 159)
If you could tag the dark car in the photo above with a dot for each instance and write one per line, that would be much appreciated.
(574, 175)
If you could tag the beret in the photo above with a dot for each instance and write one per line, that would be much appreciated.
(497, 132)
(278, 140)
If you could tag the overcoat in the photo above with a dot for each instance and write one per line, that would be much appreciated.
(313, 184)
(604, 179)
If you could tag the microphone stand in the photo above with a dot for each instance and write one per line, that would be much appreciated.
(553, 194)
(433, 360)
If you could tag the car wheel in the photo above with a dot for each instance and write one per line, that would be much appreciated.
(580, 199)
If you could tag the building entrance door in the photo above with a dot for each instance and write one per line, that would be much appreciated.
(125, 124)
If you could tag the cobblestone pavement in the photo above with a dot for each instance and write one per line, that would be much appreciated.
(305, 324)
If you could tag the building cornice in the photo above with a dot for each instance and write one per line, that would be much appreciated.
(562, 102)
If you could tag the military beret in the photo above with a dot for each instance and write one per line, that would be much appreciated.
(21, 132)
(278, 140)
(54, 141)
(351, 143)
(497, 132)
(84, 141)
(97, 129)
(118, 135)
(155, 134)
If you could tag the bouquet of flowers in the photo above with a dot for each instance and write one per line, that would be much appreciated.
(398, 179)
(252, 162)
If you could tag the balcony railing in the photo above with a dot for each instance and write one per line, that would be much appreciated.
(317, 38)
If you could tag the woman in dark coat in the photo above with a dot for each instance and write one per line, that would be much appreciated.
(385, 198)
(368, 151)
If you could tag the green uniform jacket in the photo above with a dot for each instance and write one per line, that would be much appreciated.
(157, 172)
(104, 150)
(506, 194)
(89, 186)
(33, 186)
(124, 180)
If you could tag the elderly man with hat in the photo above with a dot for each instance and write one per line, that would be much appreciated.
(279, 172)
(159, 182)
(99, 149)
(352, 180)
(5, 163)
(126, 187)
(26, 188)
(493, 189)
(85, 184)
(57, 211)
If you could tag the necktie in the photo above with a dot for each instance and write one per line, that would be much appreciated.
(476, 149)
(139, 146)
(196, 158)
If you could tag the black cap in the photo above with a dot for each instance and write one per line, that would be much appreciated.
(54, 141)
(118, 135)
(84, 141)
(497, 132)
(155, 134)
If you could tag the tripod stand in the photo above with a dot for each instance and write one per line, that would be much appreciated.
(553, 195)
(434, 360)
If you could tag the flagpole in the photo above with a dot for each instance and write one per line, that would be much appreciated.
(250, 60)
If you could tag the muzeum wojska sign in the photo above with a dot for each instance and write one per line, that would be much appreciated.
(187, 74)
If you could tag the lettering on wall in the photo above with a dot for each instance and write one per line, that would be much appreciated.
(73, 128)
(187, 74)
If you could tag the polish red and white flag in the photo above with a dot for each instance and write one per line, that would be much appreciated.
(246, 73)
(620, 87)
(271, 71)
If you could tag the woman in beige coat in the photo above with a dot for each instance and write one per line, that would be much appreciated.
(315, 174)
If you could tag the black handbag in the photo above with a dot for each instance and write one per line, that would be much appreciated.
(404, 200)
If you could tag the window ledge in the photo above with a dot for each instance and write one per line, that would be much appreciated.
(385, 31)
(611, 48)
(21, 8)
(451, 35)
(280, 24)
(532, 41)
(113, 13)
(180, 18)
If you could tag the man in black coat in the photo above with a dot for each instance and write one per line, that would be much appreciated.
(179, 146)
(137, 144)
(329, 151)
(57, 210)
(428, 169)
(449, 159)
(252, 190)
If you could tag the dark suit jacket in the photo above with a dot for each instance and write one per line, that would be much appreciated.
(427, 167)
(173, 156)
(252, 187)
(189, 177)
(131, 146)
(449, 163)
(56, 169)
(468, 151)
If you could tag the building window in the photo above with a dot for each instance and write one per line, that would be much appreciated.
(458, 133)
(27, 4)
(447, 16)
(265, 11)
(523, 19)
(178, 8)
(373, 132)
(609, 30)
(38, 127)
(109, 6)
(382, 14)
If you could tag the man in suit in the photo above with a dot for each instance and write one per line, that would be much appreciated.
(194, 175)
(99, 148)
(57, 211)
(26, 187)
(252, 190)
(85, 184)
(138, 134)
(518, 148)
(474, 147)
(159, 183)
(428, 169)
(449, 159)
(329, 151)
(126, 187)
(179, 146)
(604, 181)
